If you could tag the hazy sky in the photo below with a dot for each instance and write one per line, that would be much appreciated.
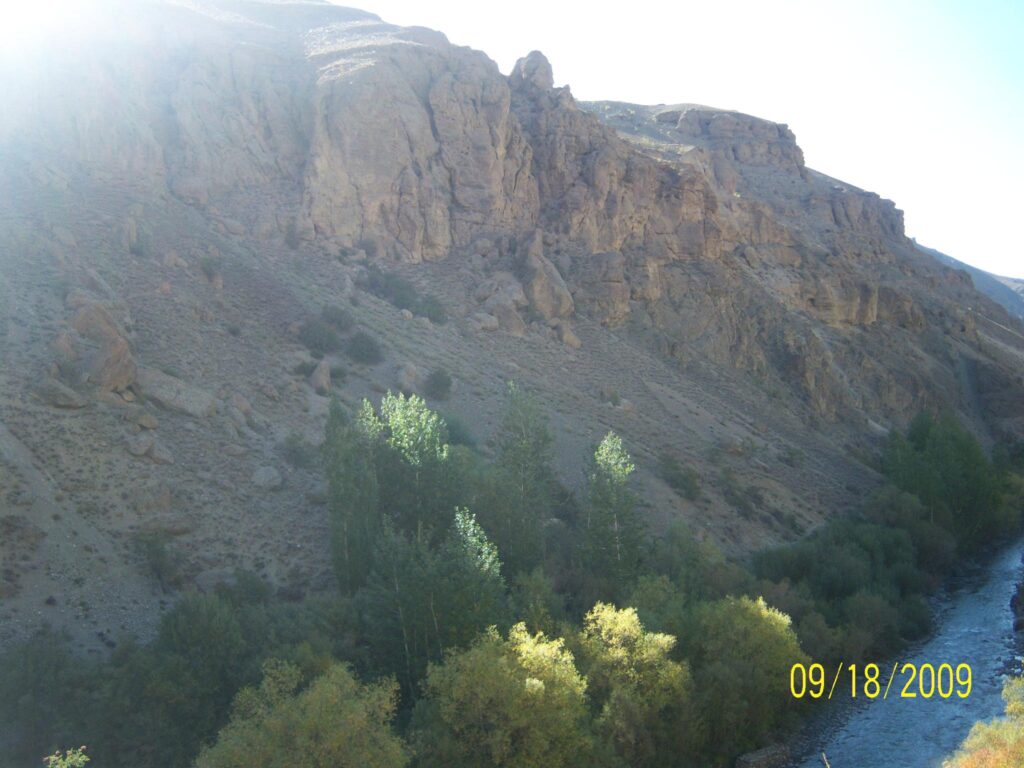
(921, 102)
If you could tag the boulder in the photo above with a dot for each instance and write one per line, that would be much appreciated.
(54, 393)
(482, 321)
(174, 394)
(267, 478)
(140, 444)
(320, 378)
(567, 336)
(160, 454)
(545, 287)
(112, 367)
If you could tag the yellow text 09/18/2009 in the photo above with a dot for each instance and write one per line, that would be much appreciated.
(906, 680)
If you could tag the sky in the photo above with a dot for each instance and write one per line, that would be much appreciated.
(921, 102)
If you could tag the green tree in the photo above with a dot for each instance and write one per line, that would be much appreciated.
(70, 758)
(741, 651)
(419, 602)
(335, 723)
(415, 483)
(353, 500)
(612, 530)
(504, 703)
(944, 465)
(644, 698)
(524, 491)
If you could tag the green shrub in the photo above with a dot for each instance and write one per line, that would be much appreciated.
(298, 452)
(458, 432)
(319, 337)
(211, 266)
(305, 368)
(401, 293)
(338, 317)
(685, 481)
(432, 309)
(438, 384)
(162, 564)
(363, 348)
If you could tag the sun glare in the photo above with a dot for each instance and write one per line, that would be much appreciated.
(24, 23)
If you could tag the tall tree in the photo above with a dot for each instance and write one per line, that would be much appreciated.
(415, 482)
(524, 497)
(353, 499)
(612, 529)
(418, 603)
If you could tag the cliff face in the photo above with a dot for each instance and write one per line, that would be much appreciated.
(185, 190)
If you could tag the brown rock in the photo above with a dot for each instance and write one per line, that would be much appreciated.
(173, 393)
(320, 378)
(56, 394)
(545, 287)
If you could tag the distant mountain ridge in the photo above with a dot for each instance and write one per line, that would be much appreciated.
(1008, 292)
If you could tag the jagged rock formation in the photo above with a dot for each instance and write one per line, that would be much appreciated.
(217, 171)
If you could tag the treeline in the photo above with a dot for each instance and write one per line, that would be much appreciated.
(488, 616)
(856, 588)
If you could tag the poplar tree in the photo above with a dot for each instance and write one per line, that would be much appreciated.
(612, 530)
(353, 499)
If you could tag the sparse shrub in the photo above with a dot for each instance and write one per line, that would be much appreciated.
(304, 368)
(742, 499)
(792, 456)
(363, 348)
(438, 384)
(338, 373)
(458, 432)
(432, 309)
(338, 317)
(211, 266)
(163, 564)
(298, 452)
(319, 337)
(401, 293)
(682, 480)
(234, 329)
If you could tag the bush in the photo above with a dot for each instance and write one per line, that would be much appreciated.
(685, 481)
(304, 368)
(319, 337)
(211, 266)
(432, 309)
(338, 317)
(438, 384)
(298, 452)
(163, 564)
(458, 432)
(363, 348)
(403, 294)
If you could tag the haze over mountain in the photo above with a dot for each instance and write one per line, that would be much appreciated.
(186, 191)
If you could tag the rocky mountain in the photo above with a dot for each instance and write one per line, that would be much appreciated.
(186, 191)
(1008, 292)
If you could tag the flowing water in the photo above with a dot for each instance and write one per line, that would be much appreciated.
(973, 625)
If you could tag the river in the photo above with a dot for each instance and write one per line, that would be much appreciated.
(973, 625)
